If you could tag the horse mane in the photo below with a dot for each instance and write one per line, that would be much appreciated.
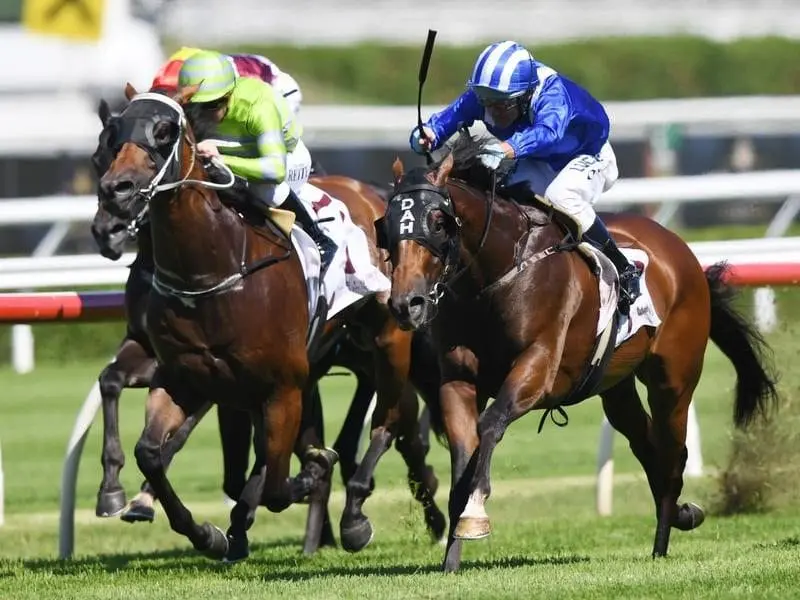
(466, 150)
(201, 120)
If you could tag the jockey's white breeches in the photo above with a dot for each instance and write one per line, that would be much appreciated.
(576, 188)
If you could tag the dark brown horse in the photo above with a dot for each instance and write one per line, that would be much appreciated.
(134, 365)
(228, 321)
(514, 311)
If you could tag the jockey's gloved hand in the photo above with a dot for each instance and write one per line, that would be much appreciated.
(418, 143)
(492, 155)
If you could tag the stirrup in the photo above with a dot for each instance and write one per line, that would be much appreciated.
(629, 285)
(327, 250)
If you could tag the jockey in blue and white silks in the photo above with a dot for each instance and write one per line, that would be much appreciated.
(555, 129)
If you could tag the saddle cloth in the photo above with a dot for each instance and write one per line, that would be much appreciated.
(642, 312)
(351, 275)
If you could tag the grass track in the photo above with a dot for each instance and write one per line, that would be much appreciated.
(547, 541)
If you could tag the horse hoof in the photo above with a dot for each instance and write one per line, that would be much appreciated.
(324, 457)
(690, 516)
(357, 536)
(217, 545)
(238, 549)
(135, 513)
(472, 528)
(110, 504)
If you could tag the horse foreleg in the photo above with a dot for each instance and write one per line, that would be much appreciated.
(421, 479)
(141, 508)
(163, 417)
(392, 363)
(244, 512)
(132, 367)
(530, 380)
(236, 437)
(460, 406)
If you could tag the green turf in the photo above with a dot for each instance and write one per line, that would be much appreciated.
(547, 542)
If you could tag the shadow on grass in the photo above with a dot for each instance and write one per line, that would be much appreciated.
(790, 542)
(288, 565)
(159, 560)
(511, 562)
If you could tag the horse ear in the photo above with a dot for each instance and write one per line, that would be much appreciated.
(444, 170)
(130, 91)
(397, 170)
(104, 112)
(185, 93)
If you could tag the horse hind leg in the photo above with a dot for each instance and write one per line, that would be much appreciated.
(310, 445)
(625, 412)
(347, 442)
(670, 382)
(132, 367)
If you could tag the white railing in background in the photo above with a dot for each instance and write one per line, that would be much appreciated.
(342, 126)
(67, 272)
(669, 192)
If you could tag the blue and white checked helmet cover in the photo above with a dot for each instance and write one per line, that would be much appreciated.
(504, 70)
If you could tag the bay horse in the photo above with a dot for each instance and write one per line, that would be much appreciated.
(211, 342)
(135, 362)
(513, 307)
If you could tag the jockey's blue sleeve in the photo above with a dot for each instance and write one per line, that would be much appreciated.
(551, 113)
(464, 110)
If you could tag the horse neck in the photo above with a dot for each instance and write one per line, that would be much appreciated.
(144, 245)
(508, 227)
(194, 238)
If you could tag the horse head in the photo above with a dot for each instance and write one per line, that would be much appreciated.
(435, 223)
(110, 231)
(139, 151)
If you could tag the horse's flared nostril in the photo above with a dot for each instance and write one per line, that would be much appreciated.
(416, 302)
(121, 189)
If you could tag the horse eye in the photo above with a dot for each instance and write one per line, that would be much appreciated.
(437, 221)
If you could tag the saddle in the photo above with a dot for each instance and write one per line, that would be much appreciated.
(604, 344)
(522, 194)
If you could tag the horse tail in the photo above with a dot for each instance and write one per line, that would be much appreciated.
(744, 346)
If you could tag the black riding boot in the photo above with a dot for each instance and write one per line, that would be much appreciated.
(327, 247)
(598, 236)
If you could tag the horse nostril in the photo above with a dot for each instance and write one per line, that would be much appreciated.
(123, 189)
(416, 302)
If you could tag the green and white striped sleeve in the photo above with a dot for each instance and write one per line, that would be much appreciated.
(266, 125)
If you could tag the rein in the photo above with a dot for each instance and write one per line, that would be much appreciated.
(519, 265)
(156, 187)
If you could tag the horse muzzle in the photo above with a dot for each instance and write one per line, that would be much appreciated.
(110, 237)
(412, 311)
